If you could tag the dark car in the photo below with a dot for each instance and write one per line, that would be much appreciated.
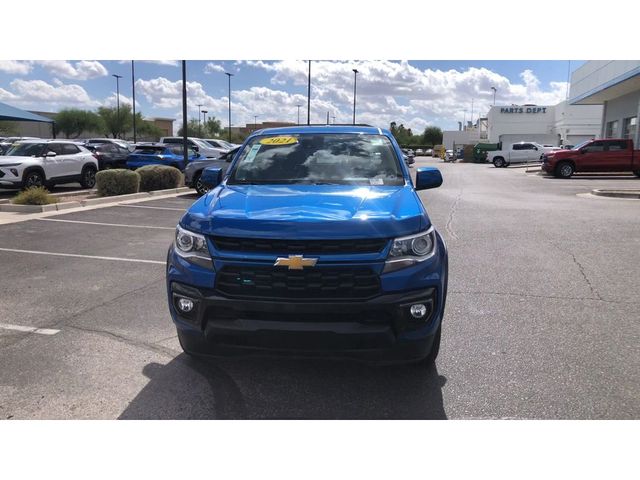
(160, 154)
(109, 155)
(194, 169)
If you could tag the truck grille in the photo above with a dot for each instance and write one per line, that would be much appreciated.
(319, 283)
(317, 247)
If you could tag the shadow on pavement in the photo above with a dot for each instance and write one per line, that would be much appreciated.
(266, 388)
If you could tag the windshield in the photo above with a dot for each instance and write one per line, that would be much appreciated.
(348, 159)
(26, 150)
(580, 145)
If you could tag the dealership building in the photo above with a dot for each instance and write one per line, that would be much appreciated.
(604, 102)
(561, 124)
(615, 86)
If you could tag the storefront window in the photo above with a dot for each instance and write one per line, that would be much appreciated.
(612, 129)
(629, 127)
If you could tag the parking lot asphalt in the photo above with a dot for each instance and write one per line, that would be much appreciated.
(541, 318)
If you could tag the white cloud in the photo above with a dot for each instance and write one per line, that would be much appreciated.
(6, 96)
(164, 93)
(82, 70)
(213, 68)
(17, 67)
(42, 95)
(398, 91)
(168, 63)
(112, 101)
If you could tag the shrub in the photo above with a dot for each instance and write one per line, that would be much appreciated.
(118, 181)
(34, 196)
(159, 177)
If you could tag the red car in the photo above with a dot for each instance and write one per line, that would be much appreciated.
(604, 155)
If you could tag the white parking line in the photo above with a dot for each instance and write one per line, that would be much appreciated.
(93, 257)
(155, 208)
(104, 224)
(20, 328)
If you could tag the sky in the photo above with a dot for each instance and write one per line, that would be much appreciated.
(414, 93)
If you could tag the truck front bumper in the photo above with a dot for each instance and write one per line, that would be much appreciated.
(381, 329)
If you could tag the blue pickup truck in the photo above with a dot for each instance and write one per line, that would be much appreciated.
(314, 242)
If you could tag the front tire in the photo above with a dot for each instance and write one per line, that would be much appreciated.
(199, 186)
(88, 177)
(498, 162)
(33, 178)
(564, 170)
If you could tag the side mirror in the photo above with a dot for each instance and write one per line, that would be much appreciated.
(211, 177)
(535, 148)
(195, 148)
(583, 150)
(50, 154)
(428, 177)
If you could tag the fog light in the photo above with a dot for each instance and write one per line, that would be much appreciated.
(186, 305)
(14, 171)
(418, 310)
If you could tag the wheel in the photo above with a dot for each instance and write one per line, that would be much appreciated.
(564, 170)
(88, 177)
(498, 162)
(430, 359)
(199, 186)
(34, 178)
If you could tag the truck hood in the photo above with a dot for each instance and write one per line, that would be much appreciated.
(307, 212)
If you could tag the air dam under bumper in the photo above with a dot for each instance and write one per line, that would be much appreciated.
(380, 329)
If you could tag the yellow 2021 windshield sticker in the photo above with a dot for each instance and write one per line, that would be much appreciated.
(279, 141)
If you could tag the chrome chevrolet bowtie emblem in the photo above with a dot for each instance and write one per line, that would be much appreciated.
(295, 262)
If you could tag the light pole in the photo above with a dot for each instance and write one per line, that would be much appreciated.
(334, 119)
(355, 81)
(133, 89)
(255, 122)
(204, 118)
(118, 77)
(185, 144)
(298, 113)
(229, 75)
(309, 96)
(494, 95)
(199, 105)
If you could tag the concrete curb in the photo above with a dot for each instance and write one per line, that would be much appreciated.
(617, 193)
(113, 200)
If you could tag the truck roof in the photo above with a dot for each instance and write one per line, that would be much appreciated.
(298, 129)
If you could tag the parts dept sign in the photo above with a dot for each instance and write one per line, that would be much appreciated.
(523, 109)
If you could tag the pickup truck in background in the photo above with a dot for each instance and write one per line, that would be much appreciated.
(604, 155)
(521, 152)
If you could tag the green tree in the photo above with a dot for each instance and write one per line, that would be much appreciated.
(212, 128)
(114, 124)
(8, 128)
(432, 136)
(402, 135)
(192, 129)
(72, 122)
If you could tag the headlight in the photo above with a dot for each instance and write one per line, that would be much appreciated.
(193, 247)
(407, 251)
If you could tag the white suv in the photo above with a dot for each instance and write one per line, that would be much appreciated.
(36, 163)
